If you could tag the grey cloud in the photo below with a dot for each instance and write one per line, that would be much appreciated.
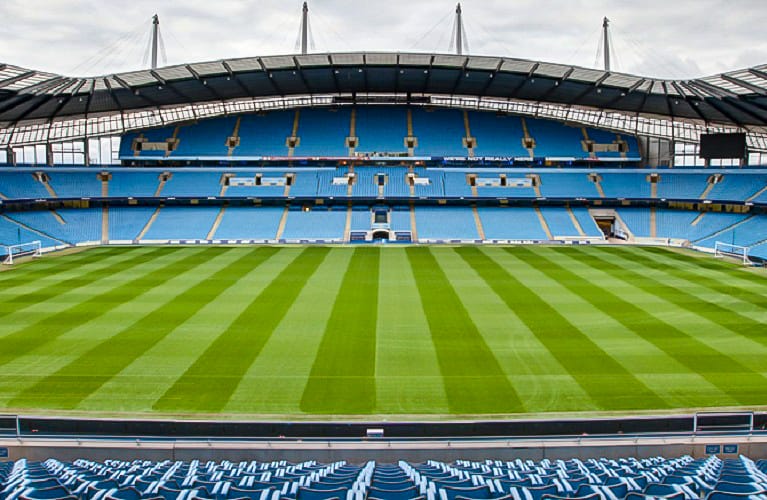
(679, 39)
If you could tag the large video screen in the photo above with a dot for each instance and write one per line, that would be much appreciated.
(722, 146)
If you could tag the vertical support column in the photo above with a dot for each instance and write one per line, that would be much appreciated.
(458, 30)
(304, 29)
(605, 33)
(155, 37)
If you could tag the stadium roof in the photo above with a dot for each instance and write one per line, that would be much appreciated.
(736, 98)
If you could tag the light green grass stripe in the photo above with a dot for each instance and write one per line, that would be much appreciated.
(75, 280)
(539, 380)
(74, 382)
(275, 382)
(678, 386)
(408, 379)
(660, 300)
(754, 293)
(47, 329)
(726, 373)
(209, 383)
(342, 379)
(474, 381)
(670, 288)
(607, 382)
(144, 381)
(706, 264)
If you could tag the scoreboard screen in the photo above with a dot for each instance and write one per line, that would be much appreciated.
(722, 146)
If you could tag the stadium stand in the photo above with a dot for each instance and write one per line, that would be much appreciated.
(381, 129)
(316, 224)
(497, 134)
(430, 222)
(182, 223)
(204, 138)
(75, 184)
(70, 225)
(511, 224)
(323, 132)
(249, 223)
(126, 223)
(265, 134)
(440, 132)
(21, 185)
(604, 478)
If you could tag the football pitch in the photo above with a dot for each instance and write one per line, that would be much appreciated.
(435, 332)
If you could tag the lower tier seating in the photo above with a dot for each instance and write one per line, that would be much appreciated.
(603, 478)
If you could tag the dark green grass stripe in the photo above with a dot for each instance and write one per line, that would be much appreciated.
(51, 266)
(726, 318)
(722, 267)
(79, 281)
(208, 384)
(48, 329)
(474, 380)
(71, 384)
(722, 371)
(605, 380)
(342, 379)
(726, 286)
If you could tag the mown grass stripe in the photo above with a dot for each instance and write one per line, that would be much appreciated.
(276, 380)
(722, 371)
(342, 379)
(95, 367)
(704, 261)
(211, 380)
(605, 380)
(408, 378)
(474, 380)
(46, 330)
(107, 267)
(726, 286)
(49, 266)
(726, 318)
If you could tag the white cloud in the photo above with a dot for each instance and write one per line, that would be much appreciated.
(680, 39)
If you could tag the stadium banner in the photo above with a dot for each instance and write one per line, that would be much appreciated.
(713, 449)
(730, 449)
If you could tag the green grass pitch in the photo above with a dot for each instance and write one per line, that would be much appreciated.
(432, 332)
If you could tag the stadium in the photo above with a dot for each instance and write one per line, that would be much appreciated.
(386, 275)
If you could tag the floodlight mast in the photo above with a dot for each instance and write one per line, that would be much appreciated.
(605, 33)
(155, 36)
(458, 30)
(304, 29)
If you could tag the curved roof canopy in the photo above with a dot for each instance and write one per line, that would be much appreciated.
(736, 98)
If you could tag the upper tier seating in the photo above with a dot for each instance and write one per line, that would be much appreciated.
(381, 130)
(440, 132)
(265, 134)
(323, 132)
(604, 478)
(497, 134)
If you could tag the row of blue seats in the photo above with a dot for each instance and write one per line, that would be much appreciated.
(605, 479)
(334, 182)
(69, 226)
(379, 130)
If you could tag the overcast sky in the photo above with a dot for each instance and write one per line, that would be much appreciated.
(660, 38)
